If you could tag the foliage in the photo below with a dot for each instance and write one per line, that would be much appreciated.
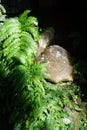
(80, 70)
(50, 113)
(2, 11)
(17, 42)
(17, 53)
(27, 100)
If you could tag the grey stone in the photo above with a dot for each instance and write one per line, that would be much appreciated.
(59, 67)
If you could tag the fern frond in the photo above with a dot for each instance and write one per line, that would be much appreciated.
(17, 44)
(23, 17)
(11, 41)
(19, 77)
(31, 21)
(28, 41)
(27, 86)
(10, 26)
(14, 46)
(30, 24)
(33, 30)
(21, 57)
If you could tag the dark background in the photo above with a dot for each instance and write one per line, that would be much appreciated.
(69, 19)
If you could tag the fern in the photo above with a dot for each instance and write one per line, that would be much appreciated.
(24, 78)
(17, 40)
(31, 24)
(27, 89)
(23, 17)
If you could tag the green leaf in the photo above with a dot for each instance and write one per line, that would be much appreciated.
(23, 17)
(33, 31)
(31, 21)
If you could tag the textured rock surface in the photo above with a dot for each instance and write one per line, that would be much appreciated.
(59, 66)
(45, 40)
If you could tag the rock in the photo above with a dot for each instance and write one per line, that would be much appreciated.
(76, 119)
(77, 114)
(45, 40)
(59, 66)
